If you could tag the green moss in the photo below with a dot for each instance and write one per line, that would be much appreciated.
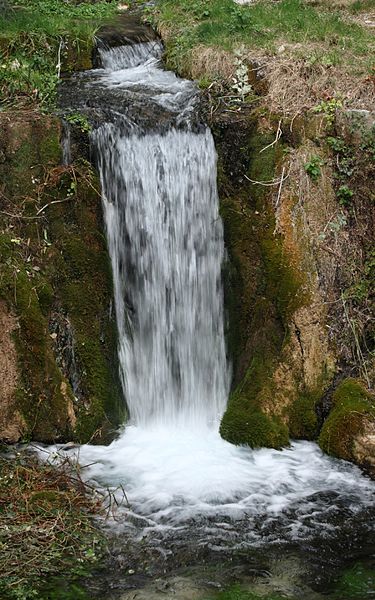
(49, 146)
(283, 283)
(352, 406)
(247, 420)
(45, 295)
(262, 290)
(303, 420)
(77, 55)
(245, 424)
(6, 248)
(83, 278)
(356, 583)
(42, 394)
(54, 266)
(29, 145)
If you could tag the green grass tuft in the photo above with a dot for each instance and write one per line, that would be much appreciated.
(36, 40)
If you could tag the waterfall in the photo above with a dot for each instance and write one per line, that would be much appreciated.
(165, 241)
(157, 166)
(166, 245)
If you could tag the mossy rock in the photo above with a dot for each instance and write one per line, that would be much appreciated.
(77, 55)
(28, 144)
(248, 419)
(245, 424)
(53, 270)
(353, 407)
(262, 290)
(303, 420)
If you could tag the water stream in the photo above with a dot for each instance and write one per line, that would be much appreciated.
(185, 486)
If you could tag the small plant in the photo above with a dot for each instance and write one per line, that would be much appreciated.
(328, 108)
(79, 121)
(333, 226)
(344, 195)
(337, 145)
(313, 167)
(241, 83)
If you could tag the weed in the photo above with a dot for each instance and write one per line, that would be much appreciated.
(46, 524)
(337, 145)
(344, 195)
(241, 85)
(80, 121)
(313, 167)
(328, 108)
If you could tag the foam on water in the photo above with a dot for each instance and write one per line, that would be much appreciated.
(178, 477)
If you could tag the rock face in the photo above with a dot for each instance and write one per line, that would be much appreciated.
(11, 422)
(58, 335)
(298, 256)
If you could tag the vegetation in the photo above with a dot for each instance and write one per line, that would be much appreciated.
(46, 524)
(55, 277)
(80, 121)
(313, 167)
(355, 583)
(39, 39)
(353, 406)
(223, 24)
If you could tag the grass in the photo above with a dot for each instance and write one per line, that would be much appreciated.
(46, 525)
(56, 17)
(294, 40)
(262, 24)
(35, 37)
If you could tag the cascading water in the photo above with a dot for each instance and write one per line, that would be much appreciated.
(166, 245)
(158, 174)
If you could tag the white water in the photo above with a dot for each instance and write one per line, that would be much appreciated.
(166, 245)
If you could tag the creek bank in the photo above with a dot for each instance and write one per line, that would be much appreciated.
(61, 381)
(298, 215)
(59, 340)
(297, 282)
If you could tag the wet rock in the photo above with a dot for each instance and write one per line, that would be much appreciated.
(180, 588)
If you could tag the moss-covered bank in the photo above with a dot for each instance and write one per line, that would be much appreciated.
(56, 283)
(297, 321)
(349, 430)
(267, 291)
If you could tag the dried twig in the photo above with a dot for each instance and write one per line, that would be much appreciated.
(268, 183)
(278, 136)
